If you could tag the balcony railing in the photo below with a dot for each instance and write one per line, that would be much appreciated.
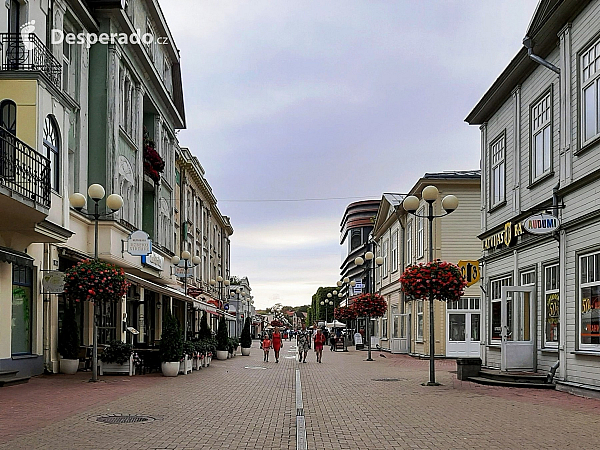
(23, 170)
(26, 52)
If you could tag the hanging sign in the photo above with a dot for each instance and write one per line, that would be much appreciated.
(180, 270)
(153, 260)
(139, 243)
(541, 223)
(469, 271)
(53, 282)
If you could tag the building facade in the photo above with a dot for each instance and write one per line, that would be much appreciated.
(540, 221)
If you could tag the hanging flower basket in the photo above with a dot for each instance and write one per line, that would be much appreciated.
(371, 305)
(154, 165)
(345, 313)
(95, 281)
(443, 279)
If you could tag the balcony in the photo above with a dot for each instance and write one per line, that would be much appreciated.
(23, 170)
(27, 53)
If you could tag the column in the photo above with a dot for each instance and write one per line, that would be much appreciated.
(140, 326)
(139, 163)
(565, 119)
(516, 154)
(483, 167)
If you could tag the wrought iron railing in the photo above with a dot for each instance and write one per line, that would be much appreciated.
(23, 170)
(26, 52)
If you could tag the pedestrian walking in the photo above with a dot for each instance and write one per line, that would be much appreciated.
(277, 343)
(303, 342)
(332, 342)
(266, 345)
(319, 341)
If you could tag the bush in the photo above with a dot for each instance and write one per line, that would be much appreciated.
(246, 339)
(232, 344)
(68, 339)
(171, 341)
(222, 335)
(205, 331)
(117, 352)
(189, 348)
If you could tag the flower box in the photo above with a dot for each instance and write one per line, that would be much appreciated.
(198, 361)
(127, 368)
(185, 366)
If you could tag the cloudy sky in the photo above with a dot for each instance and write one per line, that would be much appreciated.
(296, 108)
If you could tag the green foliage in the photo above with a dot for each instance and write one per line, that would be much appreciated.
(232, 344)
(171, 341)
(205, 331)
(117, 352)
(189, 348)
(245, 338)
(68, 338)
(222, 335)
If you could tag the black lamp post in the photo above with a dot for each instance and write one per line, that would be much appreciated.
(359, 261)
(114, 202)
(411, 204)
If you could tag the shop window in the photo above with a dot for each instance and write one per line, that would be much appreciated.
(384, 326)
(420, 320)
(552, 304)
(589, 299)
(22, 310)
(496, 310)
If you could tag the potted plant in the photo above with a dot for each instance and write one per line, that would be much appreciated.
(171, 346)
(185, 365)
(68, 342)
(232, 345)
(117, 358)
(245, 338)
(198, 354)
(211, 350)
(222, 339)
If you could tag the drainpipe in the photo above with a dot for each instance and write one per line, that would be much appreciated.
(528, 43)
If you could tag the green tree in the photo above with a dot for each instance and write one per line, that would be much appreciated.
(205, 331)
(171, 340)
(222, 335)
(68, 339)
(245, 338)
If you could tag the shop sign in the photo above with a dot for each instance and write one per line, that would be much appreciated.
(153, 260)
(503, 237)
(180, 270)
(541, 223)
(358, 288)
(139, 243)
(53, 282)
(469, 271)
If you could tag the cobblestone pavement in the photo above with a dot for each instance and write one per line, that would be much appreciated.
(245, 403)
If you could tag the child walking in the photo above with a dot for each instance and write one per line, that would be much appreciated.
(266, 345)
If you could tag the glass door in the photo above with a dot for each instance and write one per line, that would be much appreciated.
(518, 328)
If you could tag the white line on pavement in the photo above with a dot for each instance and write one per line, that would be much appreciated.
(301, 443)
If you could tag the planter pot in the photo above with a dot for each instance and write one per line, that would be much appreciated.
(69, 366)
(170, 369)
(197, 364)
(185, 366)
(127, 368)
(208, 359)
(245, 351)
(222, 354)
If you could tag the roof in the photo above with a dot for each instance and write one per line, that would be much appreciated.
(394, 199)
(453, 174)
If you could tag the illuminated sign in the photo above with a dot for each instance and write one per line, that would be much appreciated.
(541, 224)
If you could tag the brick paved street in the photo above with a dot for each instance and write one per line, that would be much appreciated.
(231, 406)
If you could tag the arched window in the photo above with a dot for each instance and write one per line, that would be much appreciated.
(51, 146)
(8, 116)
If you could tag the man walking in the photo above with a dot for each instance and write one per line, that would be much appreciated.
(303, 342)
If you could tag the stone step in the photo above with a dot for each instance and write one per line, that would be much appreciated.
(7, 373)
(511, 383)
(4, 382)
(517, 377)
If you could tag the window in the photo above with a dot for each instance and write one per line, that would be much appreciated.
(409, 258)
(590, 79)
(552, 304)
(355, 240)
(384, 325)
(589, 297)
(395, 251)
(420, 234)
(151, 46)
(8, 116)
(128, 103)
(22, 310)
(496, 295)
(167, 77)
(384, 267)
(420, 320)
(497, 177)
(528, 278)
(541, 137)
(52, 151)
(8, 121)
(69, 64)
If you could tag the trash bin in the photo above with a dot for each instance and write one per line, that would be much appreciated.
(467, 367)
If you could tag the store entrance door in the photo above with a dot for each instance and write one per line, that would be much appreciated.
(463, 329)
(518, 328)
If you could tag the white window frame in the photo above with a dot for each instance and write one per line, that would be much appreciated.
(541, 135)
(551, 286)
(420, 323)
(394, 250)
(527, 277)
(409, 249)
(384, 324)
(495, 297)
(384, 267)
(420, 233)
(588, 278)
(498, 170)
(589, 77)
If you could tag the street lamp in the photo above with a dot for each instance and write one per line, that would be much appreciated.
(114, 202)
(195, 260)
(326, 303)
(449, 204)
(369, 256)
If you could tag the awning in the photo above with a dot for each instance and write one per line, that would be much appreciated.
(9, 255)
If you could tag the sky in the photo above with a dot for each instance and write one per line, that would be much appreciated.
(296, 108)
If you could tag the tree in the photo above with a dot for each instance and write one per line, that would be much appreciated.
(222, 335)
(205, 331)
(245, 338)
(68, 339)
(171, 339)
(369, 305)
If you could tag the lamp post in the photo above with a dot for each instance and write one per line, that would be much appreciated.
(195, 260)
(114, 202)
(449, 204)
(326, 303)
(346, 281)
(369, 256)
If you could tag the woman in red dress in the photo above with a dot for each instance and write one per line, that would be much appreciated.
(277, 343)
(319, 341)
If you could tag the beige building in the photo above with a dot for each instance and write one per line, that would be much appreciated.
(401, 240)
